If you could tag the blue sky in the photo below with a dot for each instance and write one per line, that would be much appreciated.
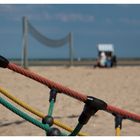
(90, 25)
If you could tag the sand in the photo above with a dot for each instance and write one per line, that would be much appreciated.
(117, 86)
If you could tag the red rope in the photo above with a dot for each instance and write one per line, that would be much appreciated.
(123, 113)
(47, 82)
(70, 92)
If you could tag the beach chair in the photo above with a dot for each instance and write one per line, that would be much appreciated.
(108, 51)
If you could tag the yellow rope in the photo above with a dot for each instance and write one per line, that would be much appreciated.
(36, 112)
(118, 131)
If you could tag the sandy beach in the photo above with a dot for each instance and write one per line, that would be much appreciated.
(119, 87)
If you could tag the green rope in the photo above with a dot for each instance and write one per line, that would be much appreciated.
(24, 115)
(77, 129)
(50, 111)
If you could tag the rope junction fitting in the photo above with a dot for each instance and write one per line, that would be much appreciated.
(118, 124)
(118, 121)
(92, 104)
(52, 99)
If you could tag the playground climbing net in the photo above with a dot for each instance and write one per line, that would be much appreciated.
(92, 105)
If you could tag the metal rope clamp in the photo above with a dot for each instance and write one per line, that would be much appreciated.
(92, 105)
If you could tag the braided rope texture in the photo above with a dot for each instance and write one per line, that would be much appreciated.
(123, 113)
(70, 92)
(47, 82)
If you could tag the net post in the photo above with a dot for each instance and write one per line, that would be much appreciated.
(70, 49)
(25, 43)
